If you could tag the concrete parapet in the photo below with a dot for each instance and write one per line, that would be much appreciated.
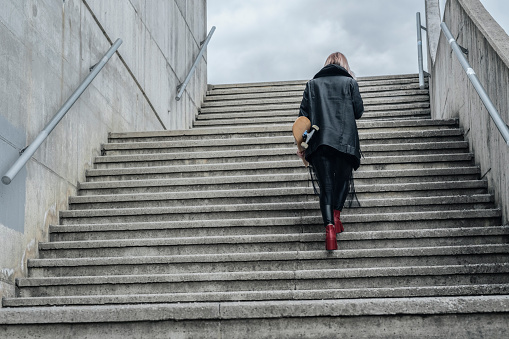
(453, 96)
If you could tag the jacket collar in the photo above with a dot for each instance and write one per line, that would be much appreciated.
(332, 70)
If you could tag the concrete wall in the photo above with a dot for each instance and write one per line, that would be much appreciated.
(47, 49)
(453, 96)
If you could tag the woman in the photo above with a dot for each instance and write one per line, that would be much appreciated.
(332, 101)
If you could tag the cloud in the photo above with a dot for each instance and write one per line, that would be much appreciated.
(269, 40)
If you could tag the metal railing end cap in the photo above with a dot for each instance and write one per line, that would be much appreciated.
(6, 180)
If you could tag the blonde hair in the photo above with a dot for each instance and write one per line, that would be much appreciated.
(339, 59)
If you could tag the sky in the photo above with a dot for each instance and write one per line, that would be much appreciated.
(277, 40)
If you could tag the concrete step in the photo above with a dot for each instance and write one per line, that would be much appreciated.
(298, 87)
(271, 143)
(369, 106)
(424, 113)
(130, 215)
(232, 132)
(285, 184)
(466, 316)
(271, 243)
(418, 317)
(291, 180)
(366, 118)
(155, 203)
(275, 168)
(362, 81)
(413, 276)
(265, 118)
(396, 97)
(297, 91)
(254, 226)
(154, 189)
(326, 294)
(270, 261)
(164, 199)
(262, 155)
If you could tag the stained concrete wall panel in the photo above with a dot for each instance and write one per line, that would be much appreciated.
(10, 14)
(180, 57)
(120, 20)
(138, 5)
(153, 77)
(15, 78)
(196, 17)
(157, 20)
(182, 6)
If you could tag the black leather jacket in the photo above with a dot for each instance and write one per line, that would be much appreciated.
(332, 101)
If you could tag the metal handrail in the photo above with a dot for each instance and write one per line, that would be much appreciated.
(501, 125)
(204, 43)
(27, 153)
(419, 49)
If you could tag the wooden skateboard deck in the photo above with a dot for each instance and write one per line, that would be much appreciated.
(303, 132)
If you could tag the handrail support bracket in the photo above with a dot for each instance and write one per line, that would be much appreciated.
(463, 49)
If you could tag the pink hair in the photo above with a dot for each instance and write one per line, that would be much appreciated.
(339, 59)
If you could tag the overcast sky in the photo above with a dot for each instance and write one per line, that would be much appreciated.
(270, 40)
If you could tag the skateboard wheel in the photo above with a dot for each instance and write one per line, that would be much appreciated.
(304, 145)
(315, 127)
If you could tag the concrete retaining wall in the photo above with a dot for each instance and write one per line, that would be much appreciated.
(453, 96)
(47, 49)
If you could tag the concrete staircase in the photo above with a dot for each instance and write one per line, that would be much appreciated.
(215, 232)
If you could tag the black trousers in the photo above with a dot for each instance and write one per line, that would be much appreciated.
(333, 171)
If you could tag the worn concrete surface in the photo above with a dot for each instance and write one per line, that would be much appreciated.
(47, 49)
(453, 96)
(466, 317)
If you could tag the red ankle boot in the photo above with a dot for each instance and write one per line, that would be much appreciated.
(337, 223)
(330, 238)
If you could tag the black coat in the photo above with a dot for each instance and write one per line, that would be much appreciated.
(332, 101)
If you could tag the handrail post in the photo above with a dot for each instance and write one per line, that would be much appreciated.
(492, 110)
(182, 86)
(419, 50)
(32, 148)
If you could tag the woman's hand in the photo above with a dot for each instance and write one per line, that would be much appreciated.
(301, 154)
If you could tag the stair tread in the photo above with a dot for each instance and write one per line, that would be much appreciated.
(215, 193)
(260, 309)
(273, 238)
(272, 164)
(373, 272)
(271, 256)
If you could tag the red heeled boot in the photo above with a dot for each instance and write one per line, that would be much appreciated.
(330, 238)
(337, 223)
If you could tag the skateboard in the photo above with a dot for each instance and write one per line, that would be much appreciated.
(303, 132)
